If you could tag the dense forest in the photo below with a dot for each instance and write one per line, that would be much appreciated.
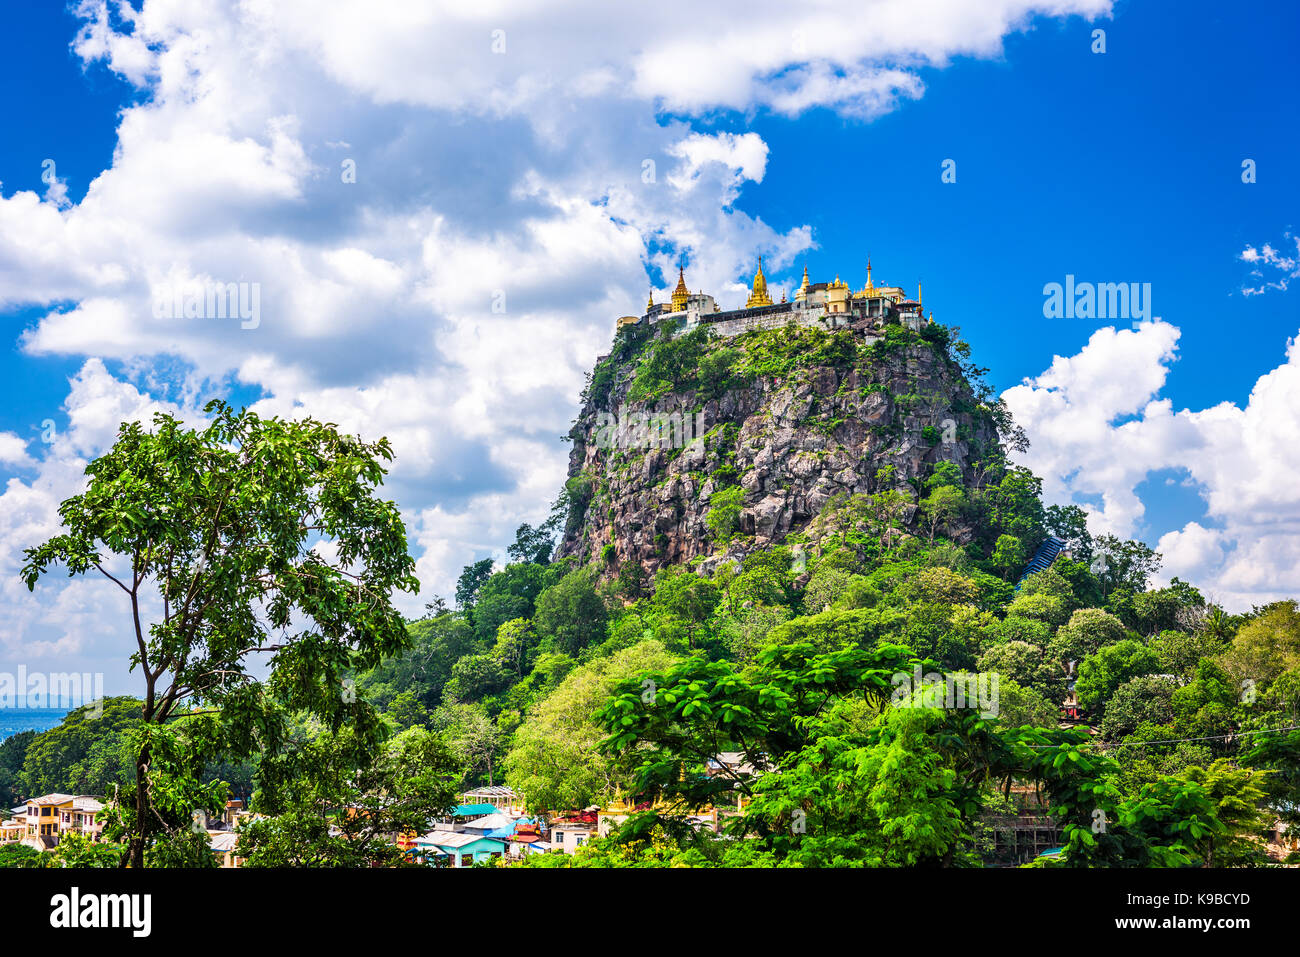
(580, 674)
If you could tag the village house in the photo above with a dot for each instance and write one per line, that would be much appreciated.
(42, 821)
(461, 848)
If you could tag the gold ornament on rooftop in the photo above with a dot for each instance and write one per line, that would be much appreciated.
(681, 293)
(758, 296)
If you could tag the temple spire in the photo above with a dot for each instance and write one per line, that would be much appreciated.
(802, 292)
(681, 293)
(758, 292)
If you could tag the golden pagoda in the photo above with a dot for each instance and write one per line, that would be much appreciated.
(869, 289)
(802, 294)
(650, 306)
(681, 293)
(759, 296)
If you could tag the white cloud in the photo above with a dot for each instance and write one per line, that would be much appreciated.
(13, 451)
(1269, 262)
(483, 179)
(1098, 429)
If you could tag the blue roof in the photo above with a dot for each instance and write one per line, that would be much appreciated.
(466, 810)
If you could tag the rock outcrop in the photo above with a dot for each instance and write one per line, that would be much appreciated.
(789, 443)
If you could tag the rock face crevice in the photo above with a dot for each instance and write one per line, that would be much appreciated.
(789, 443)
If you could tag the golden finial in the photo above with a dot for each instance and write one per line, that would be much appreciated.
(758, 295)
(681, 293)
(651, 304)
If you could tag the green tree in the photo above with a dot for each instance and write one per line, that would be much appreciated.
(943, 506)
(1205, 705)
(508, 594)
(472, 737)
(20, 855)
(1179, 651)
(1087, 631)
(1267, 645)
(1022, 663)
(406, 711)
(1238, 798)
(1040, 606)
(474, 678)
(1166, 608)
(572, 613)
(829, 630)
(534, 545)
(425, 667)
(556, 761)
(224, 524)
(1070, 524)
(682, 605)
(1145, 700)
(1123, 567)
(1018, 706)
(515, 641)
(337, 802)
(88, 752)
(1103, 671)
(75, 850)
(1008, 556)
(470, 581)
(13, 750)
(840, 764)
(723, 517)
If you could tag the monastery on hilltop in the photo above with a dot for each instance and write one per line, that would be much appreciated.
(826, 305)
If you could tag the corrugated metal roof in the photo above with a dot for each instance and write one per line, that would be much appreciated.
(454, 838)
(492, 822)
(223, 840)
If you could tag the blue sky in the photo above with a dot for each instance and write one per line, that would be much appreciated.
(1117, 167)
(217, 136)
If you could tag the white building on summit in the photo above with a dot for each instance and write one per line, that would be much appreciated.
(826, 305)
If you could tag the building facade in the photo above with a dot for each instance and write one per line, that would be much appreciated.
(824, 305)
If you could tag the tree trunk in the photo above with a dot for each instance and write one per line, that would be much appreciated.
(136, 854)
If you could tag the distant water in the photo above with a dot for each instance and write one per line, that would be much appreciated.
(14, 720)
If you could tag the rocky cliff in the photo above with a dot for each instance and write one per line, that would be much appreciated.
(790, 419)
